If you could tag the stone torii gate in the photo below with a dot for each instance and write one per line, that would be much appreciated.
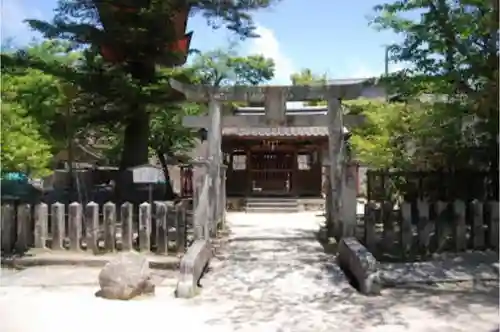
(341, 215)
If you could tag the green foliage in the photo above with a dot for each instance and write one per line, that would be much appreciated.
(378, 141)
(41, 94)
(307, 77)
(125, 92)
(226, 67)
(23, 147)
(451, 83)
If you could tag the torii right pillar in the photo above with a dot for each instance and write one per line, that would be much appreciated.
(342, 192)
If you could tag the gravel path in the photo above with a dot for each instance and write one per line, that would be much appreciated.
(271, 276)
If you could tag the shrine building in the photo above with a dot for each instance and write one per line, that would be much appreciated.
(276, 161)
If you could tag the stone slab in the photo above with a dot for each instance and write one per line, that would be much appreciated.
(471, 266)
(192, 267)
(360, 264)
(40, 258)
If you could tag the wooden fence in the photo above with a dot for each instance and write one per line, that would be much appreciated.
(432, 185)
(420, 228)
(95, 229)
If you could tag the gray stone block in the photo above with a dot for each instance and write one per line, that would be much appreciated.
(354, 258)
(126, 277)
(192, 266)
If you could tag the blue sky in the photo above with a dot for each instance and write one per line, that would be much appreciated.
(327, 36)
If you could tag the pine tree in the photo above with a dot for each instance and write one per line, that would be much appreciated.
(125, 44)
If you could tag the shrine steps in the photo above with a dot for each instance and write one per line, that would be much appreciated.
(271, 205)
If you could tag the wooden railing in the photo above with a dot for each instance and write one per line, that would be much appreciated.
(95, 229)
(416, 229)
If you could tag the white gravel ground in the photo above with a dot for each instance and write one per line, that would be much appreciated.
(273, 276)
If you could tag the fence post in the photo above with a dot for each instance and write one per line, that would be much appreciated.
(388, 224)
(196, 192)
(180, 220)
(23, 222)
(161, 228)
(58, 226)
(477, 225)
(493, 224)
(460, 226)
(441, 224)
(92, 227)
(74, 225)
(109, 221)
(349, 203)
(406, 226)
(223, 196)
(214, 202)
(145, 227)
(369, 226)
(41, 225)
(424, 226)
(8, 229)
(127, 213)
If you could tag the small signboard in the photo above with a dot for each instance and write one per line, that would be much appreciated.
(147, 174)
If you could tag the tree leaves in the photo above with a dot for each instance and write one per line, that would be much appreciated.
(23, 147)
(452, 50)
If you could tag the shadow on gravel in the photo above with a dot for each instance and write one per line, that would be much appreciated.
(257, 271)
(446, 302)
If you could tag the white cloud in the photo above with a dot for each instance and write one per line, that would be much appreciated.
(268, 46)
(14, 12)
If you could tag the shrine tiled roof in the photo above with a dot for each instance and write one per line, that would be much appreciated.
(276, 131)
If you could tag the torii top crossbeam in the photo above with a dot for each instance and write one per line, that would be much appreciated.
(342, 89)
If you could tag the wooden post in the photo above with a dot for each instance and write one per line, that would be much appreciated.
(145, 227)
(127, 213)
(442, 229)
(58, 226)
(74, 226)
(161, 228)
(459, 226)
(8, 230)
(223, 196)
(41, 225)
(23, 227)
(425, 227)
(180, 219)
(109, 219)
(493, 224)
(388, 224)
(370, 239)
(477, 225)
(92, 228)
(349, 203)
(406, 228)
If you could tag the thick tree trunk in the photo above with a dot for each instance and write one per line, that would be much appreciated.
(136, 139)
(169, 191)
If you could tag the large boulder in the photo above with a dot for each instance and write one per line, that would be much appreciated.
(126, 277)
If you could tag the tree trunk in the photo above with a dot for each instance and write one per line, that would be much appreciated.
(169, 191)
(136, 139)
